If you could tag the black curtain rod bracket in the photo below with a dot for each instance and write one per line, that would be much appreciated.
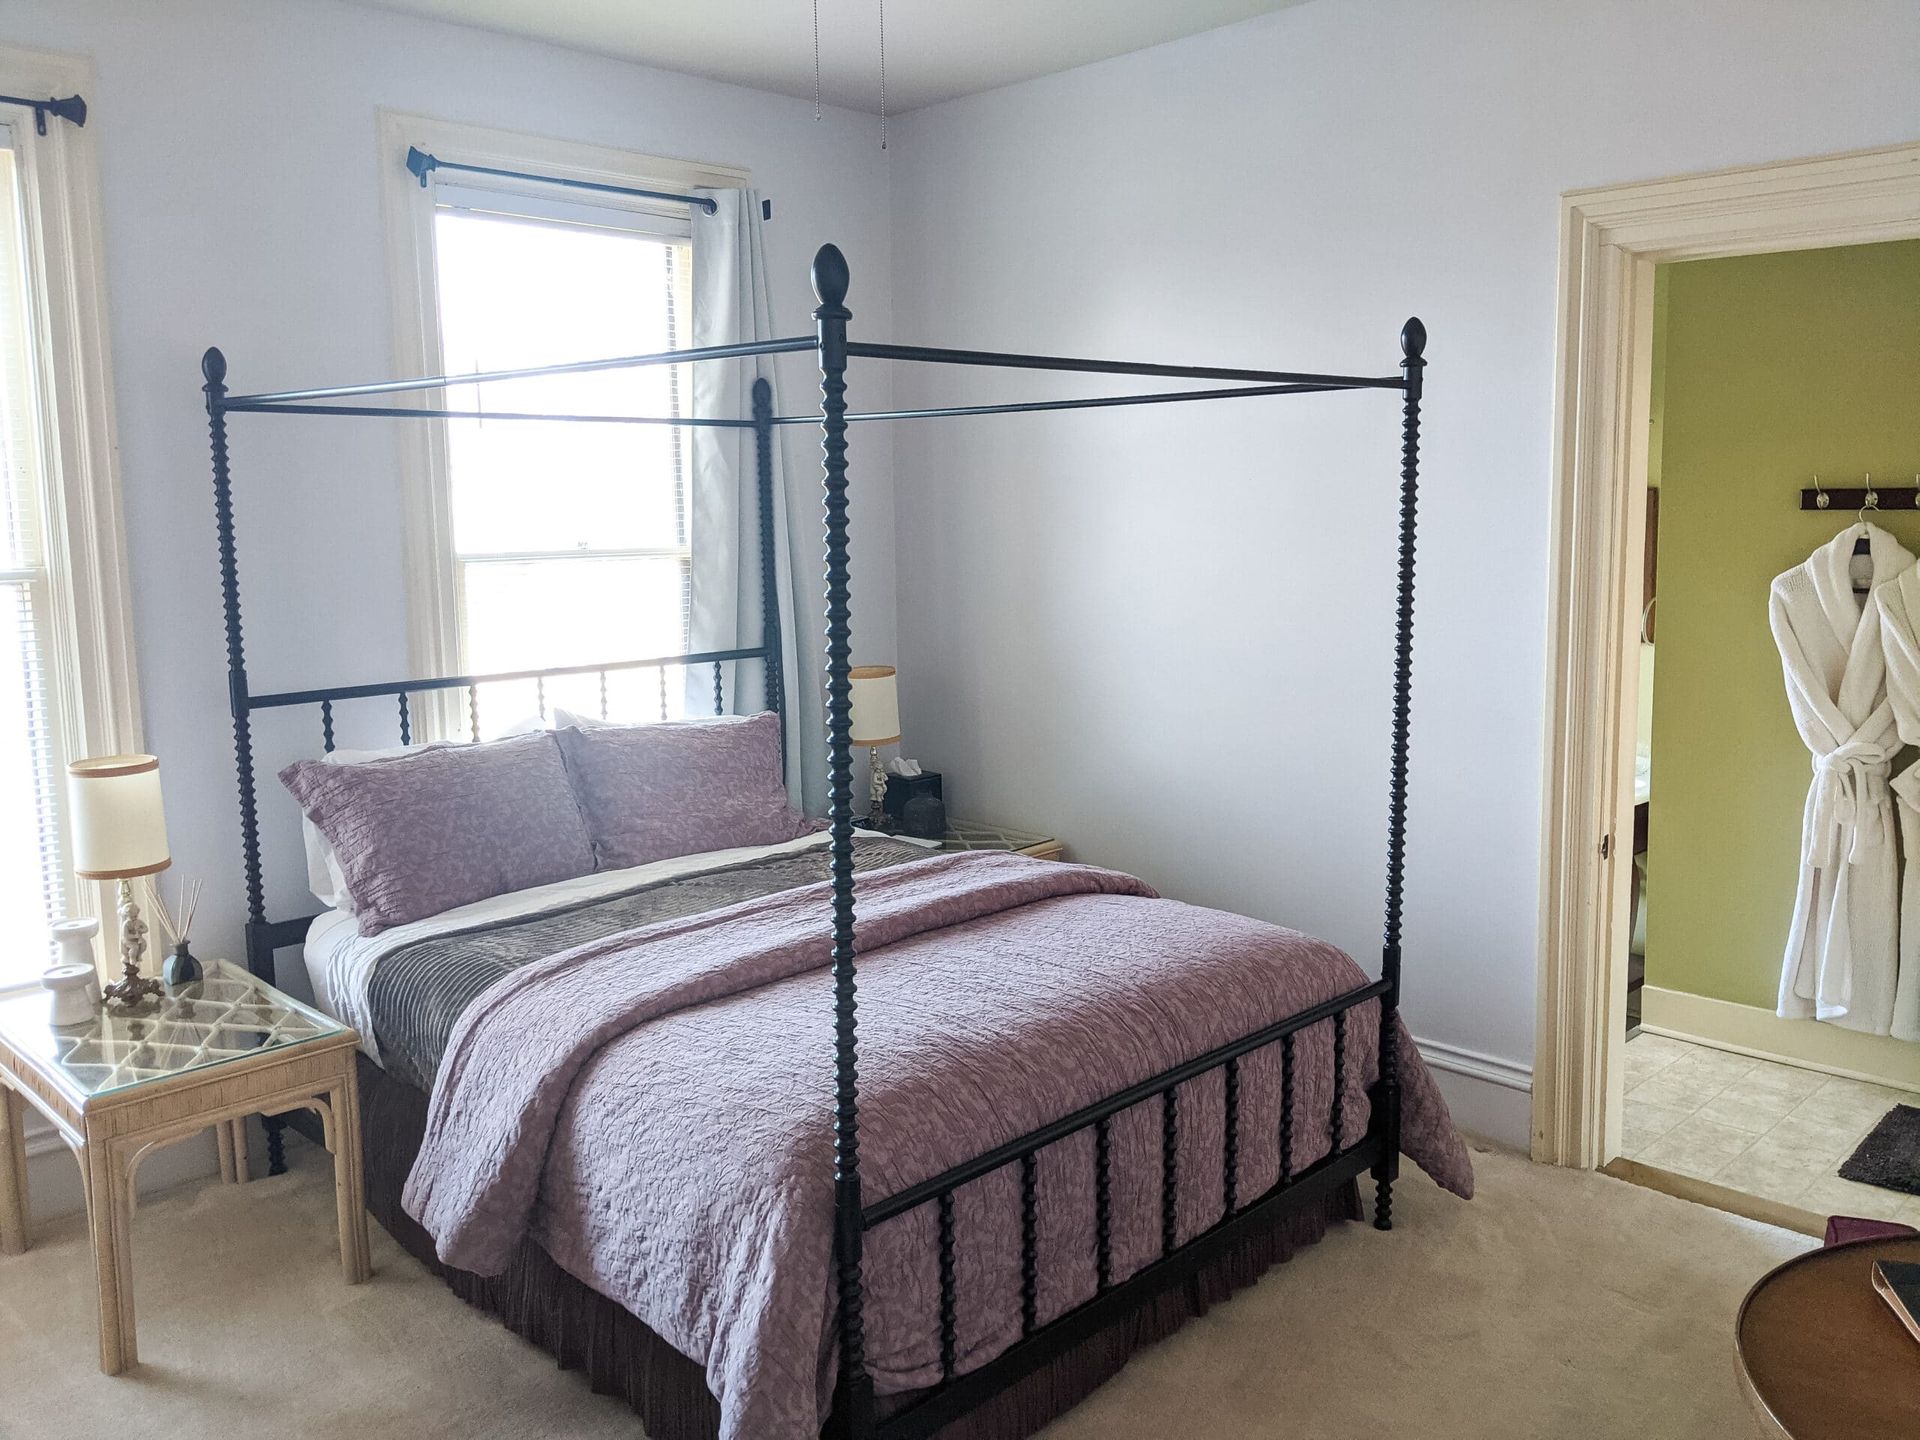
(72, 108)
(422, 164)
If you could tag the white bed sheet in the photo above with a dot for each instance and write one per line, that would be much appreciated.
(341, 961)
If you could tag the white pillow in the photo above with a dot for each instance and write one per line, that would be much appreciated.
(564, 718)
(325, 878)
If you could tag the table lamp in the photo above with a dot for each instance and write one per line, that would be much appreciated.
(876, 722)
(119, 830)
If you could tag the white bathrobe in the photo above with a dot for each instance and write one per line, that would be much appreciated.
(1898, 604)
(1843, 950)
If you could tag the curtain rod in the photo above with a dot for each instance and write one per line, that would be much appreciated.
(72, 108)
(420, 163)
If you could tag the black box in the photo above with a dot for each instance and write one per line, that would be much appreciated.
(902, 788)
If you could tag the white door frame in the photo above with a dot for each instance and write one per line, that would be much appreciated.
(1610, 240)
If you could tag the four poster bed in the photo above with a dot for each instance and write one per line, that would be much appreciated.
(1086, 1112)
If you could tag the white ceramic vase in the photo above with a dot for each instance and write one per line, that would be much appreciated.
(75, 938)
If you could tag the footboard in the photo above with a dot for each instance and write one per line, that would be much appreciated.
(1377, 1151)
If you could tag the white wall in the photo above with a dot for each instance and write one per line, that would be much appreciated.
(242, 208)
(1164, 635)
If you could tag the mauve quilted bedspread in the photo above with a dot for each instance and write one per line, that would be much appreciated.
(655, 1108)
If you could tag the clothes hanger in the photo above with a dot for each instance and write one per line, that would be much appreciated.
(1861, 545)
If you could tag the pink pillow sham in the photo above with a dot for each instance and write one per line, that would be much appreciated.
(420, 833)
(651, 792)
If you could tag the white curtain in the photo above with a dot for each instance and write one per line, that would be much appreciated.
(731, 305)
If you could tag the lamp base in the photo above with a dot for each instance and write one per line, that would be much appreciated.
(876, 789)
(132, 988)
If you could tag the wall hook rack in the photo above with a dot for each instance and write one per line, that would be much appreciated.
(1864, 496)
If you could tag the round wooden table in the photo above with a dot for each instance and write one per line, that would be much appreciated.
(1822, 1354)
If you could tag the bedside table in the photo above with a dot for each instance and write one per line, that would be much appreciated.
(127, 1082)
(972, 835)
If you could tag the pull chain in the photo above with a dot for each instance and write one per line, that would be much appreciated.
(816, 59)
(883, 74)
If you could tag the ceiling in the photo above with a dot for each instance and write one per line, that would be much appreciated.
(936, 49)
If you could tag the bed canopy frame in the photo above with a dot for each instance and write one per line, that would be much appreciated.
(856, 1415)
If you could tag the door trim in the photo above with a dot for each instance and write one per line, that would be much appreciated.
(1610, 240)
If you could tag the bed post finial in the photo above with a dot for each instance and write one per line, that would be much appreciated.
(1413, 339)
(830, 280)
(213, 367)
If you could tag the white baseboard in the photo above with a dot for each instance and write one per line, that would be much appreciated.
(1750, 1030)
(1487, 1094)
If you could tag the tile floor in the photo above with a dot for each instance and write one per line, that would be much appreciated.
(1762, 1128)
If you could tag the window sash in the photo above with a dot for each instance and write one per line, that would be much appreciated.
(650, 223)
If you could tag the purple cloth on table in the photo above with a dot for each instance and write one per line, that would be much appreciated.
(423, 831)
(682, 787)
(1845, 1229)
(655, 1108)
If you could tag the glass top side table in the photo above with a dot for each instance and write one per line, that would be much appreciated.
(974, 835)
(126, 1082)
(228, 1016)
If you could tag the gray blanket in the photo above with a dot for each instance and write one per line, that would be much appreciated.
(420, 990)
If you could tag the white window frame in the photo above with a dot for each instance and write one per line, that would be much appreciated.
(433, 604)
(93, 683)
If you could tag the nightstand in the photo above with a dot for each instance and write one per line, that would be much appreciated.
(972, 835)
(208, 1054)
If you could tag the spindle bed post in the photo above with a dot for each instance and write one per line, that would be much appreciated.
(213, 370)
(830, 279)
(771, 669)
(1386, 1104)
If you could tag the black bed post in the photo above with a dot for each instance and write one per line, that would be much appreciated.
(1413, 344)
(830, 285)
(213, 368)
(776, 690)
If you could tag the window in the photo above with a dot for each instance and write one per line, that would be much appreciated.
(569, 541)
(67, 683)
(563, 544)
(33, 887)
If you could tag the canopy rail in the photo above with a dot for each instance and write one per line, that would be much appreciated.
(690, 356)
(1012, 407)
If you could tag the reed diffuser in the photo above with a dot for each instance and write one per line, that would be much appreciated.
(181, 968)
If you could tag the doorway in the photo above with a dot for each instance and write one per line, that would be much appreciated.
(1612, 242)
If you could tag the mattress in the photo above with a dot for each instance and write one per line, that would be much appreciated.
(403, 988)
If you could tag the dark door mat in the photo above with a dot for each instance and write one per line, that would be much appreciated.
(1890, 1156)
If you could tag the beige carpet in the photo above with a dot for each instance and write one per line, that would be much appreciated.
(1556, 1304)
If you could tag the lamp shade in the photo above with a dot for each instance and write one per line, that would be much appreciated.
(876, 705)
(118, 821)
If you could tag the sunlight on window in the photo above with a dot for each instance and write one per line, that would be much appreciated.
(570, 541)
(32, 874)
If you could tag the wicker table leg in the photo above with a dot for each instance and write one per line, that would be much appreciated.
(109, 1221)
(349, 1184)
(13, 1172)
(242, 1161)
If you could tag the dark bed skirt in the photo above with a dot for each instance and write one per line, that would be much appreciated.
(621, 1356)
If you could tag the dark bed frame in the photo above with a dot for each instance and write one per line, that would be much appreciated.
(1377, 1152)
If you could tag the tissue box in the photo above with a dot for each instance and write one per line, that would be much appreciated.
(902, 788)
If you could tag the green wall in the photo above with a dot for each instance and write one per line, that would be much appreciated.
(1771, 368)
